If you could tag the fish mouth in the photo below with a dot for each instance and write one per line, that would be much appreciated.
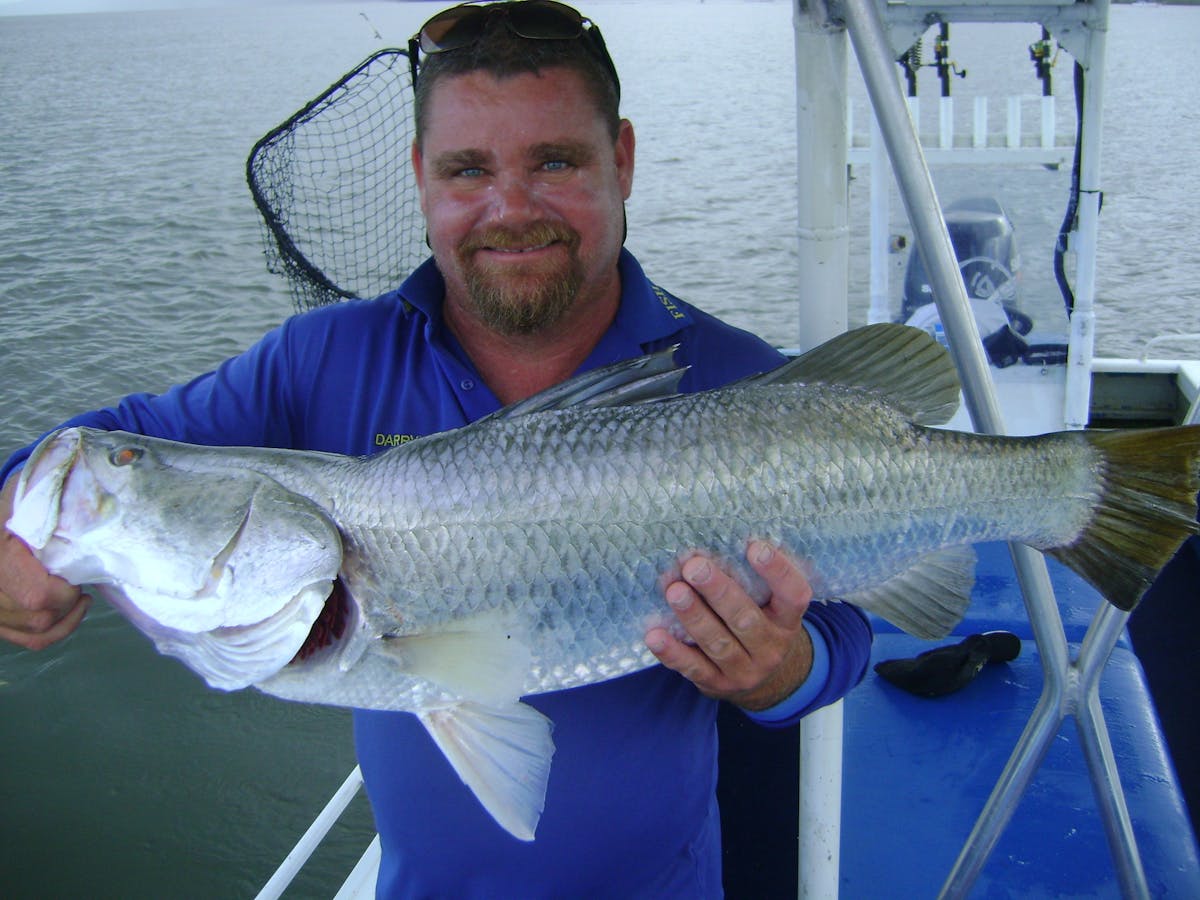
(55, 452)
(329, 628)
(38, 498)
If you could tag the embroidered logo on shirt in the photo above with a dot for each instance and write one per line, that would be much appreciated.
(668, 303)
(394, 440)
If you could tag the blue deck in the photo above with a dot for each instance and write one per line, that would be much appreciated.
(918, 771)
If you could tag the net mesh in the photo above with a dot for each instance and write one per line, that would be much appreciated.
(335, 187)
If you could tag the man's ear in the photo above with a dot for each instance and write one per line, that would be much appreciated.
(419, 172)
(624, 157)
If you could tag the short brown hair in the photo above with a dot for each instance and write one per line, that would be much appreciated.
(503, 54)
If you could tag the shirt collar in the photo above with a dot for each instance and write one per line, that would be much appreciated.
(647, 313)
(424, 290)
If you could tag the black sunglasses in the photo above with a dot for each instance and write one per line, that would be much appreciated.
(538, 20)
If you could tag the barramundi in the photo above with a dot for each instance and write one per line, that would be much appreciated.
(526, 552)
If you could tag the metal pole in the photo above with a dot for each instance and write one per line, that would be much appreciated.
(821, 180)
(820, 840)
(325, 820)
(875, 57)
(1083, 316)
(1105, 629)
(1040, 732)
(881, 185)
(824, 251)
(1044, 723)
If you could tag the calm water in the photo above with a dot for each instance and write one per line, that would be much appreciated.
(130, 258)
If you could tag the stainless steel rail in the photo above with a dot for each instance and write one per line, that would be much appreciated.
(1070, 686)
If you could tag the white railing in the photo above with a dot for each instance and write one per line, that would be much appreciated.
(1017, 142)
(1166, 339)
(362, 880)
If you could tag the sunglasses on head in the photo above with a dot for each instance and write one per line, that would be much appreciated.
(537, 20)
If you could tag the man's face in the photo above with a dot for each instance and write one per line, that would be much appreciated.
(523, 192)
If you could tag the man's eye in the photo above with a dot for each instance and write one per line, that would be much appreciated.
(470, 172)
(556, 165)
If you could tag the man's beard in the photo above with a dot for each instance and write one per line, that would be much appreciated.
(522, 302)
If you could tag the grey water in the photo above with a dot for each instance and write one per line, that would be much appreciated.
(131, 258)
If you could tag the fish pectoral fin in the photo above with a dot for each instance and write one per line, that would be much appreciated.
(481, 661)
(502, 754)
(928, 598)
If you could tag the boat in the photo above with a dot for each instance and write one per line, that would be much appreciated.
(989, 790)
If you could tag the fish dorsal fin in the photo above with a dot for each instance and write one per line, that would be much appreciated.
(905, 365)
(638, 380)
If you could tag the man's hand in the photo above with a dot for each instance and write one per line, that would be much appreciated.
(753, 657)
(36, 608)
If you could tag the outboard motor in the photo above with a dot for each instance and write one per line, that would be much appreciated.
(986, 247)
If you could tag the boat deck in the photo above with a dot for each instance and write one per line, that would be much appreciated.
(917, 772)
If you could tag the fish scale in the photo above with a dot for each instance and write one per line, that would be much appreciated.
(528, 551)
(605, 504)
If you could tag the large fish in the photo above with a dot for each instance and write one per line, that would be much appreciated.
(526, 552)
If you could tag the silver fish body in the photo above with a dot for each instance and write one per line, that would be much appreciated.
(527, 552)
(567, 523)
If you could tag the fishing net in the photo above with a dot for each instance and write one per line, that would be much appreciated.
(335, 187)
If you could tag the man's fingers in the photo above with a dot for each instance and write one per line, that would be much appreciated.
(742, 652)
(717, 616)
(790, 591)
(39, 629)
(36, 608)
(688, 661)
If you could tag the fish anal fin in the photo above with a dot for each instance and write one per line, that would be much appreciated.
(480, 661)
(502, 754)
(928, 598)
(904, 365)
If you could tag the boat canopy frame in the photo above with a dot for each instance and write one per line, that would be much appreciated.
(880, 31)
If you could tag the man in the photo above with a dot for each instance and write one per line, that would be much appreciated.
(523, 166)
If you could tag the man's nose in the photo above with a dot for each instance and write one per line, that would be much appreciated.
(515, 198)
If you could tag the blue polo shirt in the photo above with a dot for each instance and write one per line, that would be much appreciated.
(631, 804)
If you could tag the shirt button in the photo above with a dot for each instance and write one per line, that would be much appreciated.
(467, 384)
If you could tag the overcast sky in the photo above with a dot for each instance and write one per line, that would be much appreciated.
(33, 7)
(37, 7)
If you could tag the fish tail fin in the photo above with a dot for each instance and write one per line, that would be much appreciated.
(1149, 482)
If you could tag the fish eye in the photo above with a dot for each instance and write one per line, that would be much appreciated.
(124, 456)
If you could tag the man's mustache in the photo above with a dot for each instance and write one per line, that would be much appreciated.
(539, 234)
